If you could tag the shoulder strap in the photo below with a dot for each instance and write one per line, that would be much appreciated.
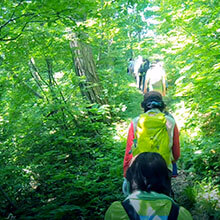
(132, 214)
(174, 212)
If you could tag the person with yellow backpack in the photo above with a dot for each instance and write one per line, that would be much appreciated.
(153, 131)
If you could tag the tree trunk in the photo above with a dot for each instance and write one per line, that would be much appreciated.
(85, 66)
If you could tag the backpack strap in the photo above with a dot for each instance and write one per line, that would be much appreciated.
(132, 214)
(174, 212)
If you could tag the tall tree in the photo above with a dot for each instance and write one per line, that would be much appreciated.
(85, 66)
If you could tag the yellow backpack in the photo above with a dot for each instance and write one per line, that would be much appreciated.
(151, 135)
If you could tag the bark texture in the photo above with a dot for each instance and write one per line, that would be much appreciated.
(85, 66)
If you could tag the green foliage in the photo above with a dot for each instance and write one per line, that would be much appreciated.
(192, 65)
(51, 166)
(201, 156)
(60, 156)
(205, 200)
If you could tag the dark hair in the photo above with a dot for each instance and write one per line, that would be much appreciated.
(149, 172)
(146, 60)
(153, 99)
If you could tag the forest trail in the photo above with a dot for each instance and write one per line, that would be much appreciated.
(183, 183)
(67, 101)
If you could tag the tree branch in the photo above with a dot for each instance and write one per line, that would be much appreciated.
(32, 90)
(36, 74)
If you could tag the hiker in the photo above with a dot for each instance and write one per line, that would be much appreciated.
(137, 63)
(131, 67)
(154, 131)
(148, 190)
(156, 79)
(142, 73)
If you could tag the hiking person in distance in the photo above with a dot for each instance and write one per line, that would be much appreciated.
(153, 131)
(148, 191)
(156, 79)
(130, 69)
(142, 73)
(137, 63)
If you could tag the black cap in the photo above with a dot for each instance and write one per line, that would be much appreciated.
(150, 97)
(153, 96)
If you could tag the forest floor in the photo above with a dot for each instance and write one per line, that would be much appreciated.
(183, 184)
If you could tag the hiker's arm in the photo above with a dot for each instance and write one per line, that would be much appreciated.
(145, 84)
(128, 157)
(176, 144)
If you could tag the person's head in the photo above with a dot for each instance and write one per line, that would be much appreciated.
(149, 172)
(153, 99)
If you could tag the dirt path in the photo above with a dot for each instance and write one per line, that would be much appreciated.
(184, 196)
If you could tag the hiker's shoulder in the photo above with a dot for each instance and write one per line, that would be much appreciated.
(169, 117)
(135, 120)
(116, 211)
